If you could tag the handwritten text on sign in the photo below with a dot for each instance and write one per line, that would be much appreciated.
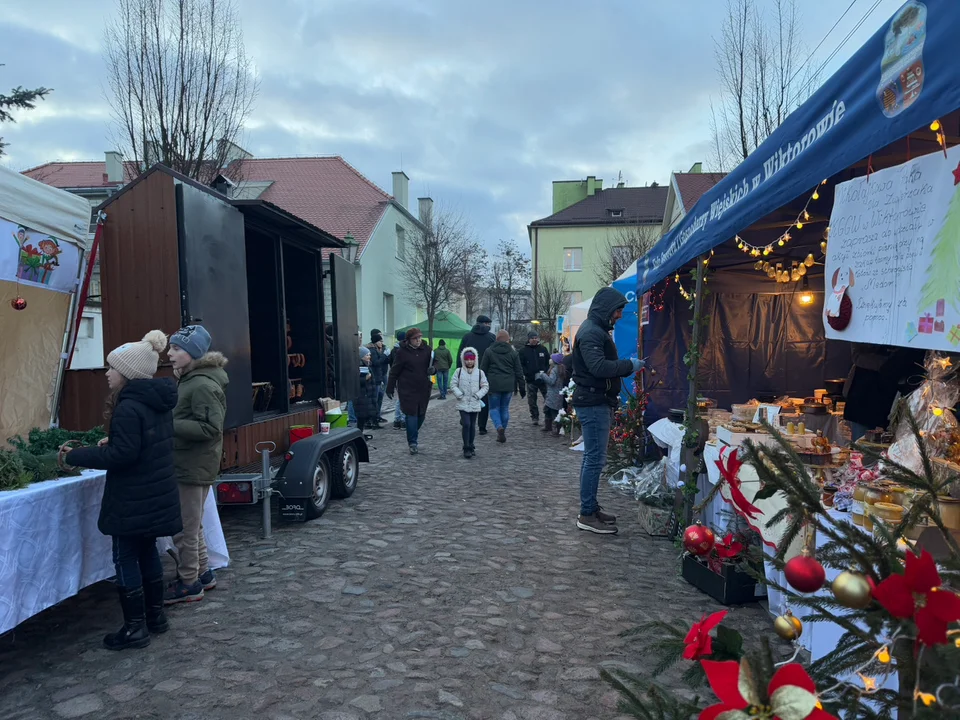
(895, 243)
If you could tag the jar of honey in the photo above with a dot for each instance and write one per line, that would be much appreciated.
(889, 513)
(856, 505)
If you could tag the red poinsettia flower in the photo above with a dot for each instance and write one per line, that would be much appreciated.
(918, 594)
(793, 695)
(728, 548)
(698, 640)
(731, 473)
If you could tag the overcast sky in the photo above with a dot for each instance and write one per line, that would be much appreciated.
(486, 103)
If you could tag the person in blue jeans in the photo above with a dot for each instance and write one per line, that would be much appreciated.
(597, 373)
(442, 362)
(410, 379)
(501, 365)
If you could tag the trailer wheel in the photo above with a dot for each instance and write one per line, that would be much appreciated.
(317, 502)
(346, 470)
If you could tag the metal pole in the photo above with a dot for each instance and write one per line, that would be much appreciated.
(265, 523)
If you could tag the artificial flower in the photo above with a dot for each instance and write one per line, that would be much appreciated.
(698, 640)
(918, 595)
(792, 694)
(728, 548)
(731, 473)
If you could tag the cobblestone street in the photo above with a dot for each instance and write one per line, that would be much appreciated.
(444, 588)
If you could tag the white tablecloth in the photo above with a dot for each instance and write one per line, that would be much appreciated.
(50, 547)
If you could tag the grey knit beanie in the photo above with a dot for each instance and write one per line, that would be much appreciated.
(193, 339)
(139, 360)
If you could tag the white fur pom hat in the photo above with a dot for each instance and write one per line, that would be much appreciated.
(139, 360)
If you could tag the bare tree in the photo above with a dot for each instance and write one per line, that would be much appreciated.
(470, 274)
(762, 76)
(509, 277)
(622, 248)
(19, 99)
(434, 260)
(180, 84)
(550, 300)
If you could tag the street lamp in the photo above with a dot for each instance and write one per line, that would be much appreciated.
(349, 253)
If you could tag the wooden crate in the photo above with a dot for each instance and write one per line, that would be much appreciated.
(655, 522)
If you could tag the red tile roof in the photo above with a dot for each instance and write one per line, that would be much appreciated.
(75, 174)
(693, 186)
(325, 191)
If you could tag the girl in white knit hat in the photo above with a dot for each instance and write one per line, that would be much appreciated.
(140, 499)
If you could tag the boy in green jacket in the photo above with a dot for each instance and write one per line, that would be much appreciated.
(197, 446)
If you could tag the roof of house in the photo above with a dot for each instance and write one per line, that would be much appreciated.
(693, 186)
(75, 175)
(636, 205)
(325, 191)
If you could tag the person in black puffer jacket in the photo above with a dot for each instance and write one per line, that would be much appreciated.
(597, 373)
(140, 497)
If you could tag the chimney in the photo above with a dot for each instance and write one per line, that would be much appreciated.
(621, 184)
(114, 166)
(426, 211)
(401, 188)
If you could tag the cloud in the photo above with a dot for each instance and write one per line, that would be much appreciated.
(483, 103)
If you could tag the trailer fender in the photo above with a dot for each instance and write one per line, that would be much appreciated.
(296, 480)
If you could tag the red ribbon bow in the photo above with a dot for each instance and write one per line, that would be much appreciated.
(730, 473)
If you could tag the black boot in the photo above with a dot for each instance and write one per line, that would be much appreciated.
(134, 633)
(547, 425)
(153, 600)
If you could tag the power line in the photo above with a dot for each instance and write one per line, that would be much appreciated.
(822, 41)
(837, 50)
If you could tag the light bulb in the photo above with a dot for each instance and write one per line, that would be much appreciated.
(823, 247)
(802, 270)
(781, 242)
(883, 657)
(799, 225)
(809, 260)
(935, 126)
(816, 195)
(806, 298)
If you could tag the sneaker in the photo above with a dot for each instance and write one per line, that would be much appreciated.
(397, 424)
(605, 517)
(413, 450)
(382, 420)
(179, 592)
(593, 524)
(208, 580)
(482, 431)
(466, 454)
(501, 435)
(536, 421)
(471, 452)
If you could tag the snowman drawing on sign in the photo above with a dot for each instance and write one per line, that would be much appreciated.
(839, 307)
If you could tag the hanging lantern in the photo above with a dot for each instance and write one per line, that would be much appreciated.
(809, 260)
(823, 247)
(766, 266)
(18, 303)
(802, 270)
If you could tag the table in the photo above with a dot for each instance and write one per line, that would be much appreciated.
(50, 547)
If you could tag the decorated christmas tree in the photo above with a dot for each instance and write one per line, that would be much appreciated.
(895, 596)
(628, 431)
(943, 274)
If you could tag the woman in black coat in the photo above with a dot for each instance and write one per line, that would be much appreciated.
(140, 497)
(410, 377)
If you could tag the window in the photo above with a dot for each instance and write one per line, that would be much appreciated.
(573, 298)
(572, 259)
(401, 243)
(616, 213)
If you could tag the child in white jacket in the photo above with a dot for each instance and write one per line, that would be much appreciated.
(469, 385)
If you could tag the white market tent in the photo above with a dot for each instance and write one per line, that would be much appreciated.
(43, 240)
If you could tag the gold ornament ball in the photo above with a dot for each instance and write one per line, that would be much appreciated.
(852, 590)
(788, 627)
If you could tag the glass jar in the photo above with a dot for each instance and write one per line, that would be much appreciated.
(890, 513)
(856, 505)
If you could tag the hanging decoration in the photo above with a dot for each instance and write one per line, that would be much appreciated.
(803, 217)
(805, 573)
(852, 590)
(683, 292)
(18, 303)
(698, 540)
(788, 626)
(731, 474)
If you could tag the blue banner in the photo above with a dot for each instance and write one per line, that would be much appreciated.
(904, 77)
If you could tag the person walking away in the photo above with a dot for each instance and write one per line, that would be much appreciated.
(366, 403)
(140, 500)
(442, 362)
(197, 446)
(501, 364)
(379, 366)
(597, 373)
(480, 339)
(552, 402)
(410, 379)
(469, 385)
(534, 359)
(398, 419)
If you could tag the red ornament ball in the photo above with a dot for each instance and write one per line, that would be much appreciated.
(18, 303)
(805, 574)
(698, 540)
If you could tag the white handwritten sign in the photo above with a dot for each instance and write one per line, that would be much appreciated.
(895, 242)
